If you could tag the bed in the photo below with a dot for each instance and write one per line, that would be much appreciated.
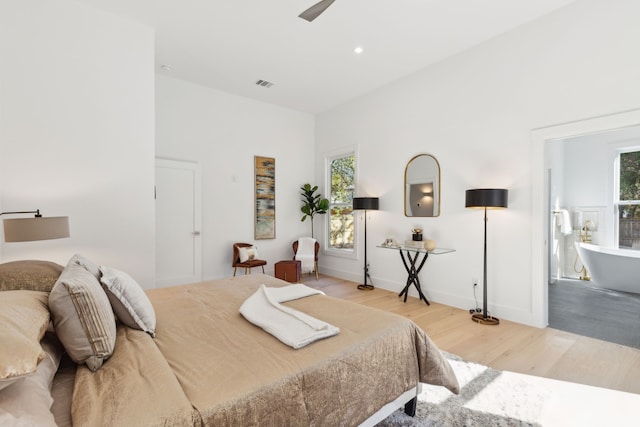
(205, 364)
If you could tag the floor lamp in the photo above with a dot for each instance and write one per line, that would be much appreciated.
(487, 198)
(365, 204)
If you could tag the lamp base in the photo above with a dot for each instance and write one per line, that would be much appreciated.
(365, 287)
(489, 320)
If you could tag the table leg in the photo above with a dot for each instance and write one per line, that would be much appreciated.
(405, 291)
(413, 274)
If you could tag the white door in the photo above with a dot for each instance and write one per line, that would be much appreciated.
(178, 221)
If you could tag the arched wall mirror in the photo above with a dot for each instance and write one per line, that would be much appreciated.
(422, 186)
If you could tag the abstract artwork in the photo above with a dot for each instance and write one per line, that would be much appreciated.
(265, 171)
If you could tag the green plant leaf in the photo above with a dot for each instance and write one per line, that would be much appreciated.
(312, 204)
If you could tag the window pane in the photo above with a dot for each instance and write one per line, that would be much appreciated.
(342, 179)
(629, 226)
(629, 213)
(630, 176)
(341, 236)
(342, 176)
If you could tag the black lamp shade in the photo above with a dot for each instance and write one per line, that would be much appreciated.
(365, 203)
(486, 198)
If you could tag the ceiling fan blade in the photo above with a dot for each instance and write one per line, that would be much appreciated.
(314, 11)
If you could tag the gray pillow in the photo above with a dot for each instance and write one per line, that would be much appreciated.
(128, 299)
(86, 263)
(82, 316)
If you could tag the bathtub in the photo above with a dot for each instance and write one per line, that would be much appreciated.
(609, 268)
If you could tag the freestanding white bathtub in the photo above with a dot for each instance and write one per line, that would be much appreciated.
(609, 268)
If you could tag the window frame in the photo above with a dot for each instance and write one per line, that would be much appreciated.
(328, 158)
(617, 203)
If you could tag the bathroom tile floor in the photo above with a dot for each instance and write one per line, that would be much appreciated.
(579, 307)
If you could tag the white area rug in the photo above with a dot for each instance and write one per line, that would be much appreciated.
(493, 398)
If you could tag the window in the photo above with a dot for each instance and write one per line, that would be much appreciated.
(628, 200)
(341, 173)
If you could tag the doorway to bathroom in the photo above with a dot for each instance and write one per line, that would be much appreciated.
(584, 206)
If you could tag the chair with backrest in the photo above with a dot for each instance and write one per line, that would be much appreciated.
(245, 255)
(306, 249)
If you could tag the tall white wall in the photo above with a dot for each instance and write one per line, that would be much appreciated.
(77, 131)
(475, 113)
(223, 133)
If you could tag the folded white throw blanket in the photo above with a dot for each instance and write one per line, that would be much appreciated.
(306, 254)
(292, 327)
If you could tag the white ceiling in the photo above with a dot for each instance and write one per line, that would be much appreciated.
(230, 44)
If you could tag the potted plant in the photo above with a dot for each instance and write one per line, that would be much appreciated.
(313, 204)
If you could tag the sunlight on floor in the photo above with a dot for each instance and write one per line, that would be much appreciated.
(525, 398)
(552, 402)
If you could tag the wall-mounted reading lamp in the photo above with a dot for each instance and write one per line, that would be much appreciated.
(36, 228)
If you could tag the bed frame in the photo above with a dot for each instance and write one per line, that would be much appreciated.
(408, 399)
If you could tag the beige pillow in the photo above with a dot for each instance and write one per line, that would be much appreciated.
(82, 317)
(128, 299)
(24, 317)
(28, 401)
(248, 253)
(31, 275)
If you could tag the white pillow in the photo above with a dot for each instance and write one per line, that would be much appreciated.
(248, 254)
(129, 301)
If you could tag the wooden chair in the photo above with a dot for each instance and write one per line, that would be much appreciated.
(315, 260)
(248, 264)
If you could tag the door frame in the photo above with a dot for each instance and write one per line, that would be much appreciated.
(540, 195)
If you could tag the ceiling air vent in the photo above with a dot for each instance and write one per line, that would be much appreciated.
(264, 83)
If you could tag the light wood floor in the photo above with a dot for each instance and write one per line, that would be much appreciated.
(509, 346)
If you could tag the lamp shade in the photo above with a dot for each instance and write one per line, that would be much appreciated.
(39, 228)
(365, 203)
(490, 198)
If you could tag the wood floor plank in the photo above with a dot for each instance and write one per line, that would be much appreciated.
(509, 346)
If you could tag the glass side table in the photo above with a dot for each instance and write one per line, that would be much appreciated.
(416, 257)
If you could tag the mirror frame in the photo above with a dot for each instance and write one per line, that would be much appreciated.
(436, 188)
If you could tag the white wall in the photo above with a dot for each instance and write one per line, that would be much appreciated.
(223, 133)
(475, 113)
(77, 131)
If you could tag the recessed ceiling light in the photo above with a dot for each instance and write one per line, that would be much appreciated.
(358, 50)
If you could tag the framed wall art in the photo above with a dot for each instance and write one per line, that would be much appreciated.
(265, 215)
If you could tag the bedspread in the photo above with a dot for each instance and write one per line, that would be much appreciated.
(208, 365)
